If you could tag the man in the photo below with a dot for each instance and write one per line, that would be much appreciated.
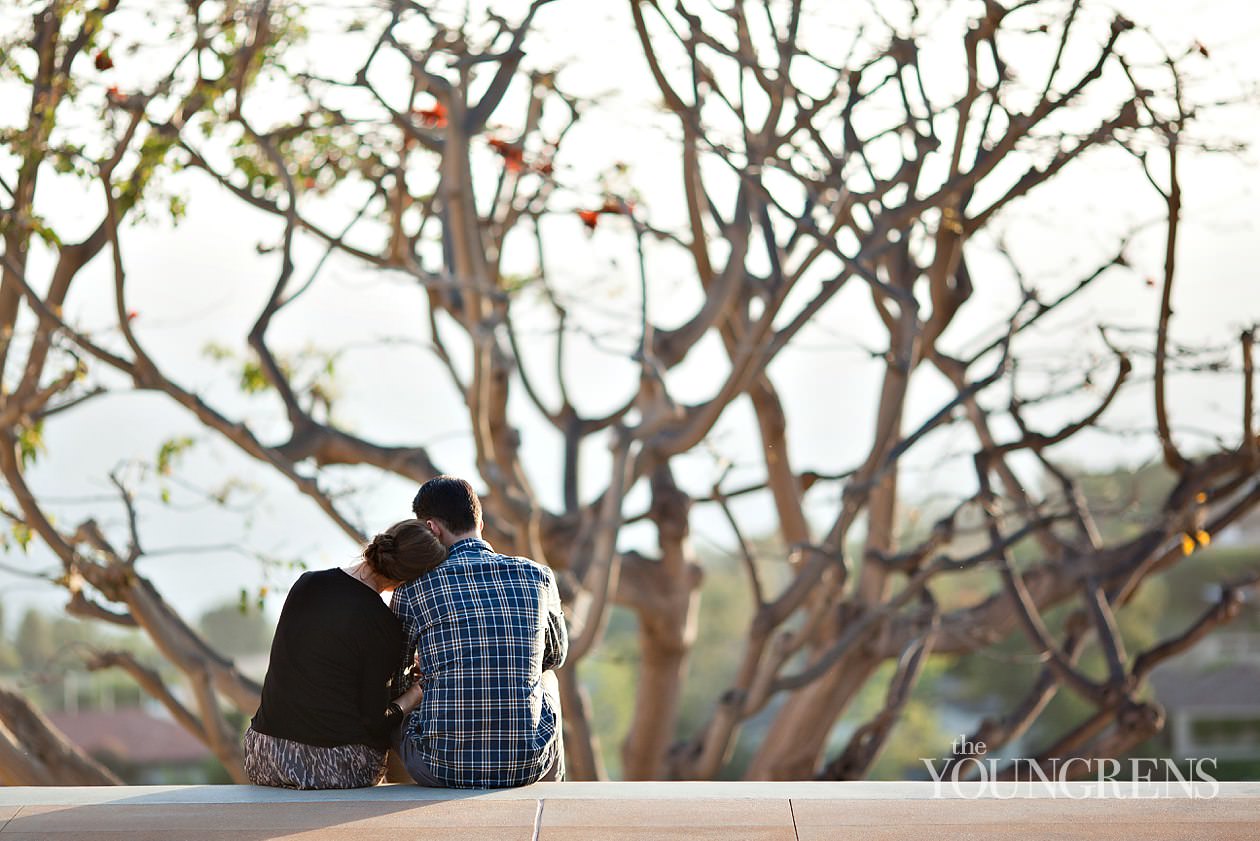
(485, 630)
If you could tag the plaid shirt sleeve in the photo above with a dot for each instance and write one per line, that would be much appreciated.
(557, 641)
(404, 607)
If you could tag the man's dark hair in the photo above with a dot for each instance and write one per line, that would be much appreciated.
(451, 501)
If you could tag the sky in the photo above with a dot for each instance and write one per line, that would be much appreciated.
(202, 282)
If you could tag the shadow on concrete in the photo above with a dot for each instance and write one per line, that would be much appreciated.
(254, 813)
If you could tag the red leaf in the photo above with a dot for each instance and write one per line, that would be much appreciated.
(590, 218)
(618, 206)
(512, 153)
(103, 61)
(434, 117)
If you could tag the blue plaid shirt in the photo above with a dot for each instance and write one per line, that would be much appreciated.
(485, 626)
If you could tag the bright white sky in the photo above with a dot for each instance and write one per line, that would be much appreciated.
(204, 281)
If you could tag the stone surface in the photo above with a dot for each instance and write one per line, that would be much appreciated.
(243, 816)
(620, 812)
(1037, 832)
(796, 791)
(480, 833)
(716, 812)
(665, 833)
(962, 813)
(661, 819)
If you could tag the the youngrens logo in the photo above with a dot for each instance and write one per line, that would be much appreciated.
(969, 774)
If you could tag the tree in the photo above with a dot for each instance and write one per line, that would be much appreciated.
(34, 752)
(812, 188)
(35, 642)
(10, 659)
(236, 631)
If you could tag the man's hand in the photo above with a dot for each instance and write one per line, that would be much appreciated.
(410, 699)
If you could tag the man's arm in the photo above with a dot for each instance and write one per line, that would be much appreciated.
(404, 606)
(556, 648)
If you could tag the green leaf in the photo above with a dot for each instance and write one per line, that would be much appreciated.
(47, 234)
(216, 351)
(171, 450)
(31, 442)
(253, 380)
(513, 283)
(22, 534)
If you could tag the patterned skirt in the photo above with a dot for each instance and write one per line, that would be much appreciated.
(271, 761)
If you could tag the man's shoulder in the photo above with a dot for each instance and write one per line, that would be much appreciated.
(525, 565)
(481, 552)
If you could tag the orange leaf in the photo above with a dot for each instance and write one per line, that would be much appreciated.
(434, 117)
(512, 153)
(617, 206)
(590, 218)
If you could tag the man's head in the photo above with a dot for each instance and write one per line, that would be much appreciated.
(450, 508)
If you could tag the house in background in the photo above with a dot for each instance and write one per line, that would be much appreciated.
(139, 746)
(1212, 698)
(1244, 532)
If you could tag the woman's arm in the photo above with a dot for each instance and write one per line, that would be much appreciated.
(375, 705)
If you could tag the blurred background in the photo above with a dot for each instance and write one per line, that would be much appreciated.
(871, 379)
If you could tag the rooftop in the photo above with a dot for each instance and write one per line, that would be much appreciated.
(1213, 686)
(866, 811)
(131, 735)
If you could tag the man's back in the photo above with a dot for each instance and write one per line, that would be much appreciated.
(485, 627)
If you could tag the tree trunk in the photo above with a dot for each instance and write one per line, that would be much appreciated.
(33, 752)
(793, 746)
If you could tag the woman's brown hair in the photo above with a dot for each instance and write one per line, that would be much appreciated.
(404, 551)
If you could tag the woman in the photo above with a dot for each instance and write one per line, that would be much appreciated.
(326, 717)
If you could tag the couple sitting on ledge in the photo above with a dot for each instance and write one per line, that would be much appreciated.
(455, 675)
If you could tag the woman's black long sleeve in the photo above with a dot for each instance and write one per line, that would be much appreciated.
(331, 661)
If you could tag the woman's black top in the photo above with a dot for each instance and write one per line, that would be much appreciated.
(336, 646)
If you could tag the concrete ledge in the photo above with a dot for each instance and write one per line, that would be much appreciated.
(794, 811)
(106, 795)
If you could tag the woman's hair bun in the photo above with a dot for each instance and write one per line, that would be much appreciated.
(404, 551)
